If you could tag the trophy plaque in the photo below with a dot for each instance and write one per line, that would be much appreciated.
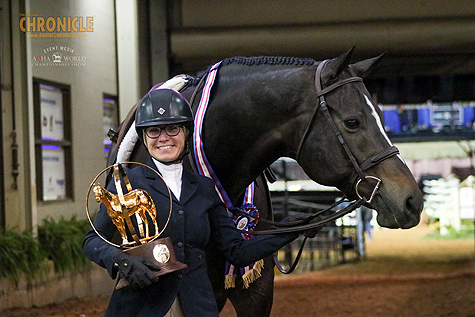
(135, 216)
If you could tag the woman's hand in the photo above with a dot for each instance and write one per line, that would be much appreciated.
(136, 270)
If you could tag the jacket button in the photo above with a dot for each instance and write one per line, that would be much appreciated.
(180, 244)
(181, 212)
(180, 275)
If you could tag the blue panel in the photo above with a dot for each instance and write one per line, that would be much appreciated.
(50, 147)
(424, 116)
(468, 116)
(391, 120)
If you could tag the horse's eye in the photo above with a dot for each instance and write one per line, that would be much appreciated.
(352, 123)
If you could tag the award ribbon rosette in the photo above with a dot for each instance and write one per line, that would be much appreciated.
(135, 216)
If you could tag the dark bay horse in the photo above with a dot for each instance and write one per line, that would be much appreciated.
(319, 113)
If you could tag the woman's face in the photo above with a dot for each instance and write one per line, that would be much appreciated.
(165, 142)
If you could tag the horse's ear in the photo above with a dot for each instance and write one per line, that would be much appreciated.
(340, 63)
(366, 67)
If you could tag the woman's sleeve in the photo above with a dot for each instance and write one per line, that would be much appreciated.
(98, 250)
(236, 249)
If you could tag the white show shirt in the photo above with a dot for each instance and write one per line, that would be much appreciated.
(172, 175)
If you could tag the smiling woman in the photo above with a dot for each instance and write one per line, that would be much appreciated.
(163, 123)
(163, 120)
(167, 146)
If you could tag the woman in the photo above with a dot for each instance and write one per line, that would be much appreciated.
(164, 122)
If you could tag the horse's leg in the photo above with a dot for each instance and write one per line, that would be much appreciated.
(149, 207)
(143, 207)
(153, 214)
(143, 216)
(255, 301)
(145, 221)
(121, 227)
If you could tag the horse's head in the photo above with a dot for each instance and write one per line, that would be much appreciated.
(346, 132)
(98, 192)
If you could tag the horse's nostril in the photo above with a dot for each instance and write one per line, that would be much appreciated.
(409, 203)
(413, 204)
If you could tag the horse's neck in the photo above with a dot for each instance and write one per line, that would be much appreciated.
(239, 156)
(108, 199)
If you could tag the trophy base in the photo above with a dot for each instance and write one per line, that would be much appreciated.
(159, 252)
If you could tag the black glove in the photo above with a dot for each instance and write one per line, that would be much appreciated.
(136, 270)
(311, 233)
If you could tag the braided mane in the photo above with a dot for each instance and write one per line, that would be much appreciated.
(268, 60)
(258, 60)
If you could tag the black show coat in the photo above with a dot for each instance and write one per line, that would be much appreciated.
(197, 219)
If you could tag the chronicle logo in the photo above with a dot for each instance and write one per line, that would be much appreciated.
(58, 55)
(39, 27)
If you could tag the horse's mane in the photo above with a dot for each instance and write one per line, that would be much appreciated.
(257, 60)
(268, 60)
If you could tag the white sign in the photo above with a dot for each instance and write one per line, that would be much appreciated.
(54, 180)
(51, 100)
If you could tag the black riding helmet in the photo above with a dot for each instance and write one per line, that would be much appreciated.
(164, 106)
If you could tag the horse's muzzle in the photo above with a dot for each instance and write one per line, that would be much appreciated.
(392, 215)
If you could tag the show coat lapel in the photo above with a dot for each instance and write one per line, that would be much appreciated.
(157, 182)
(188, 187)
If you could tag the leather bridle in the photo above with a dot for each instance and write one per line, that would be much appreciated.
(358, 177)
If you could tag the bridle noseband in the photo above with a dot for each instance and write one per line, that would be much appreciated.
(358, 177)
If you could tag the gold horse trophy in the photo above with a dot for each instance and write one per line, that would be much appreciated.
(137, 238)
